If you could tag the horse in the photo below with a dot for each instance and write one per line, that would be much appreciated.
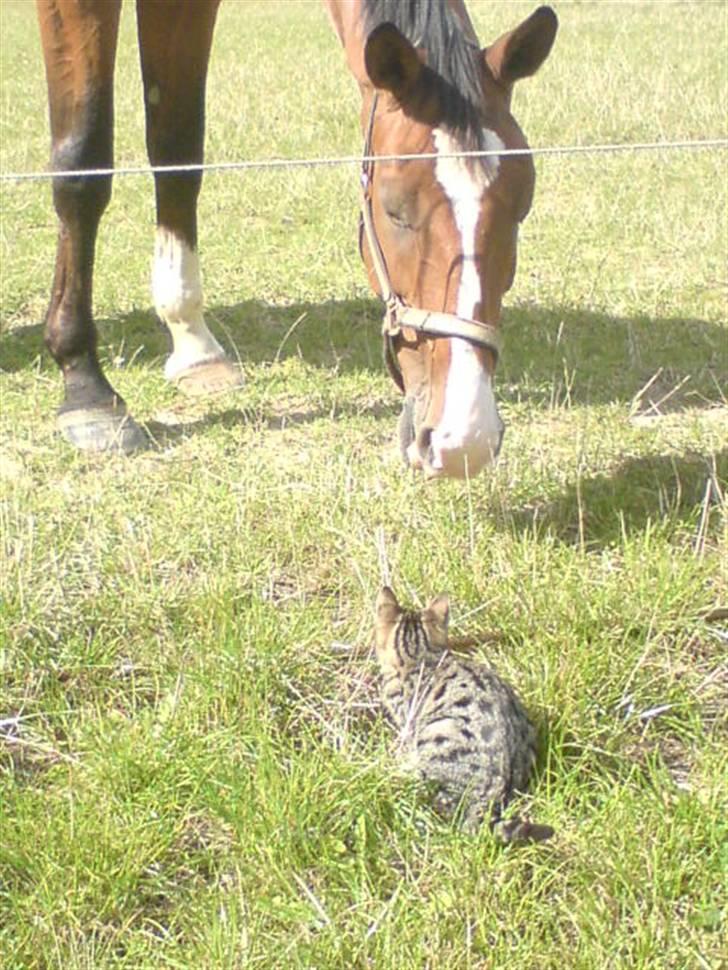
(438, 234)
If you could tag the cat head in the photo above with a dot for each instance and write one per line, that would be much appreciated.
(406, 635)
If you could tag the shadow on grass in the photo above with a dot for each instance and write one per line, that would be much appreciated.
(166, 434)
(598, 511)
(568, 356)
(551, 355)
(336, 334)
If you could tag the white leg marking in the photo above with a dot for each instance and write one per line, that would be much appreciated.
(177, 293)
(470, 428)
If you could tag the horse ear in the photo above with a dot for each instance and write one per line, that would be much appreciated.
(521, 51)
(392, 63)
(438, 609)
(387, 607)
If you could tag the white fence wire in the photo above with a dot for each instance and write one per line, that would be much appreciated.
(285, 163)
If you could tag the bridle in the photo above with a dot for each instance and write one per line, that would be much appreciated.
(397, 312)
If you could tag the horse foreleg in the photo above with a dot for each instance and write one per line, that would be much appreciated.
(79, 48)
(175, 37)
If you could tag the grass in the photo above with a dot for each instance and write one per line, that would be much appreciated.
(193, 769)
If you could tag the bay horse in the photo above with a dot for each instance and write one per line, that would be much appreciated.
(438, 238)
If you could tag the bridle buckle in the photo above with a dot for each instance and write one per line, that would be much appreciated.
(393, 310)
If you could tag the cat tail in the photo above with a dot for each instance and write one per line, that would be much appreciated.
(516, 829)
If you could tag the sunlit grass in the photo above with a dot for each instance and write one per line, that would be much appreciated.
(193, 771)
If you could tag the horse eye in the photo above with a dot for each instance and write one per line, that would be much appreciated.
(398, 205)
(399, 218)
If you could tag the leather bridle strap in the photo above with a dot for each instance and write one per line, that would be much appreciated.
(399, 314)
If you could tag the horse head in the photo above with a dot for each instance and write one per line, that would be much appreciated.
(445, 228)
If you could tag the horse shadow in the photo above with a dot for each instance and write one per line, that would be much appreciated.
(339, 335)
(566, 356)
(551, 355)
(598, 511)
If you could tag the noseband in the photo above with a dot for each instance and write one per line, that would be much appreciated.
(398, 313)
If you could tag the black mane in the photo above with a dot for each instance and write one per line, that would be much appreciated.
(451, 54)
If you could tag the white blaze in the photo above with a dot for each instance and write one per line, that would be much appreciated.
(177, 294)
(470, 422)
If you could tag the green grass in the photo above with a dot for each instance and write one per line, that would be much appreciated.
(192, 774)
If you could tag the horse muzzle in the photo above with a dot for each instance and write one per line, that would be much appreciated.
(444, 453)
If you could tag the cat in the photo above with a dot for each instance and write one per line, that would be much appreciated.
(460, 726)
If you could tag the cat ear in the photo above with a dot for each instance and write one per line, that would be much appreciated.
(387, 607)
(439, 610)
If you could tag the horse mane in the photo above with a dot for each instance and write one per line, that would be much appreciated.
(451, 53)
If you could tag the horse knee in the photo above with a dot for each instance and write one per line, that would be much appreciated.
(79, 201)
(82, 198)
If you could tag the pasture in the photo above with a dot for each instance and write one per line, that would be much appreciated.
(193, 768)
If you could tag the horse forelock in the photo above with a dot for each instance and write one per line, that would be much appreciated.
(452, 54)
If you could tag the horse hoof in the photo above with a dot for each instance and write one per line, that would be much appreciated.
(209, 377)
(102, 429)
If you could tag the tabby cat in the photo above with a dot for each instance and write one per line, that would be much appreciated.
(460, 726)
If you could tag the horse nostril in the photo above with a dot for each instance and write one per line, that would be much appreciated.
(406, 427)
(424, 441)
(500, 441)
